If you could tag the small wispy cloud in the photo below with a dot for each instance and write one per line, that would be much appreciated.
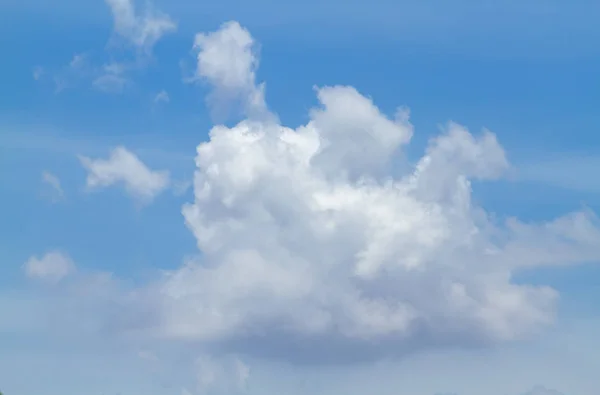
(79, 68)
(54, 190)
(162, 97)
(138, 29)
(112, 78)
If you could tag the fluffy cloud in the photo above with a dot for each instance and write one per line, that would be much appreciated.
(313, 251)
(227, 60)
(51, 267)
(123, 167)
(140, 30)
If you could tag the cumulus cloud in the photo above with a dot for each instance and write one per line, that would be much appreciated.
(313, 251)
(140, 30)
(227, 60)
(50, 180)
(51, 267)
(125, 168)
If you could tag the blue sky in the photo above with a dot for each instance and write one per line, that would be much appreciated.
(113, 256)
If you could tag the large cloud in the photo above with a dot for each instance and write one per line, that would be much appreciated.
(313, 251)
(316, 249)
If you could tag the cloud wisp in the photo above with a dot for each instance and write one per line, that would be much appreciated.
(137, 31)
(141, 30)
(54, 188)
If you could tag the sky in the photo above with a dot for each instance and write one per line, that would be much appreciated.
(318, 197)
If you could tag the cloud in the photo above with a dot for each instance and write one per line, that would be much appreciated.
(79, 68)
(162, 97)
(140, 30)
(123, 167)
(315, 249)
(112, 78)
(51, 267)
(56, 192)
(313, 252)
(227, 60)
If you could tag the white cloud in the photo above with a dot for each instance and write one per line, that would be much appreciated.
(227, 59)
(51, 267)
(140, 30)
(123, 167)
(162, 97)
(56, 192)
(312, 251)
